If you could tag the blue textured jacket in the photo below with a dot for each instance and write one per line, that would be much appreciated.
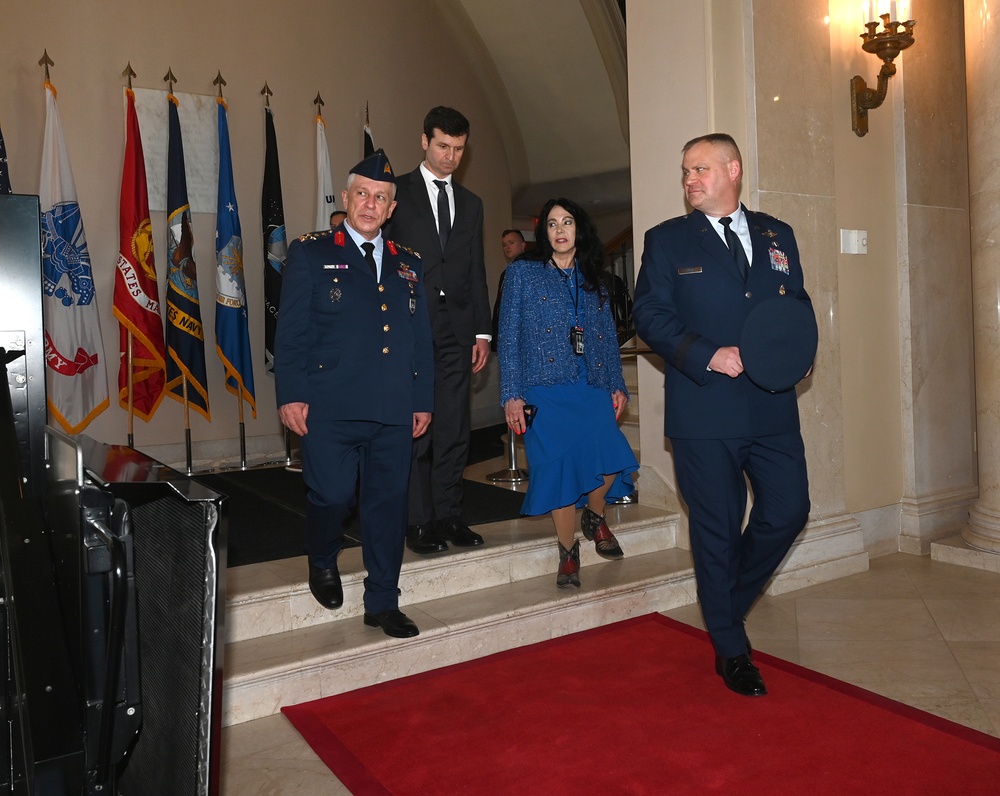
(536, 314)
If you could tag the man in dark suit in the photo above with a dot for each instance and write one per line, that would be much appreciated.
(514, 245)
(354, 379)
(692, 297)
(444, 223)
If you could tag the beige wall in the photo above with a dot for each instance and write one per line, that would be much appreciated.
(351, 53)
(888, 415)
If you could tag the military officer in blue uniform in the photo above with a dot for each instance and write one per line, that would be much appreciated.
(354, 377)
(702, 274)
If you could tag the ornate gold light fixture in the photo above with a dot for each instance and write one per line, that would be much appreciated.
(886, 45)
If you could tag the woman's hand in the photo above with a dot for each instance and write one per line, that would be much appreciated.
(514, 413)
(619, 399)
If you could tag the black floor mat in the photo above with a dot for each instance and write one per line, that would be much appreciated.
(267, 517)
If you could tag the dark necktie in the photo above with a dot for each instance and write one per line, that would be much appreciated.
(735, 247)
(444, 212)
(370, 257)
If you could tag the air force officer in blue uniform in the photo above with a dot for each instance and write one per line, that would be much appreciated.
(690, 304)
(354, 376)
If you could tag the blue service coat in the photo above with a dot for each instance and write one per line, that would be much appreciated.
(351, 348)
(690, 301)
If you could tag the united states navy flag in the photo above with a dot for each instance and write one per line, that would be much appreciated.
(185, 334)
(232, 334)
(272, 215)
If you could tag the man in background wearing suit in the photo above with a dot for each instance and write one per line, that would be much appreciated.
(701, 276)
(354, 379)
(443, 222)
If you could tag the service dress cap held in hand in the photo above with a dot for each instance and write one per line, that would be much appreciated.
(778, 343)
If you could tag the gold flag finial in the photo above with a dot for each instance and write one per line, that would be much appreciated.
(46, 62)
(267, 94)
(318, 102)
(128, 73)
(219, 81)
(169, 79)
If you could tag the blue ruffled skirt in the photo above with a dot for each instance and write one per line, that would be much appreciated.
(572, 444)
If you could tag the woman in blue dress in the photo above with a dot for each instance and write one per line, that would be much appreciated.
(561, 382)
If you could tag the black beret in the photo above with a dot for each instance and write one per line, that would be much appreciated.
(376, 167)
(778, 343)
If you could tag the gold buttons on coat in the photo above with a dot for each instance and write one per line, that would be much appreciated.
(381, 288)
(385, 328)
(384, 308)
(385, 350)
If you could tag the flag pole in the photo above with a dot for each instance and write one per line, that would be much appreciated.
(128, 382)
(187, 422)
(243, 436)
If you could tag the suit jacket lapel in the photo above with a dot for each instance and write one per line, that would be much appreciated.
(712, 244)
(759, 242)
(421, 200)
(352, 255)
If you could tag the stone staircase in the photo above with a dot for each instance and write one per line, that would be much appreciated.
(283, 648)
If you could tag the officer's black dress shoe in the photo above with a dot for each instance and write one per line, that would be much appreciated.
(458, 534)
(393, 623)
(424, 539)
(740, 675)
(325, 586)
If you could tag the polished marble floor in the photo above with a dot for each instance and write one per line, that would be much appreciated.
(919, 631)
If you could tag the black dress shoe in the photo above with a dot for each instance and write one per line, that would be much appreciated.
(740, 675)
(458, 534)
(423, 539)
(325, 586)
(393, 623)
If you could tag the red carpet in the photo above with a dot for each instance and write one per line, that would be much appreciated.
(636, 708)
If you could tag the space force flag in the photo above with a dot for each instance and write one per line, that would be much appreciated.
(272, 215)
(137, 304)
(185, 334)
(75, 373)
(324, 181)
(232, 333)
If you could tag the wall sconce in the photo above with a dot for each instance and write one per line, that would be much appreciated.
(886, 45)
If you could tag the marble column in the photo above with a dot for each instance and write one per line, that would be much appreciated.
(982, 38)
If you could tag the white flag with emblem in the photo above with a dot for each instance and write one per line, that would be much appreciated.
(324, 182)
(76, 376)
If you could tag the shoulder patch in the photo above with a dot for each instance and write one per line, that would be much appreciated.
(317, 235)
(671, 221)
(404, 248)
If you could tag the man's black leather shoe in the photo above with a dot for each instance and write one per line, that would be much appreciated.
(740, 675)
(393, 623)
(458, 534)
(423, 539)
(325, 586)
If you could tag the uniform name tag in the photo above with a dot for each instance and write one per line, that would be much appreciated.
(335, 266)
(694, 269)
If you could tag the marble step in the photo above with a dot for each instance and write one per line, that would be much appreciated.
(264, 599)
(263, 674)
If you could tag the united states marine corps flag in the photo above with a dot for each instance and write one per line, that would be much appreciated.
(75, 373)
(232, 334)
(272, 216)
(141, 376)
(186, 375)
